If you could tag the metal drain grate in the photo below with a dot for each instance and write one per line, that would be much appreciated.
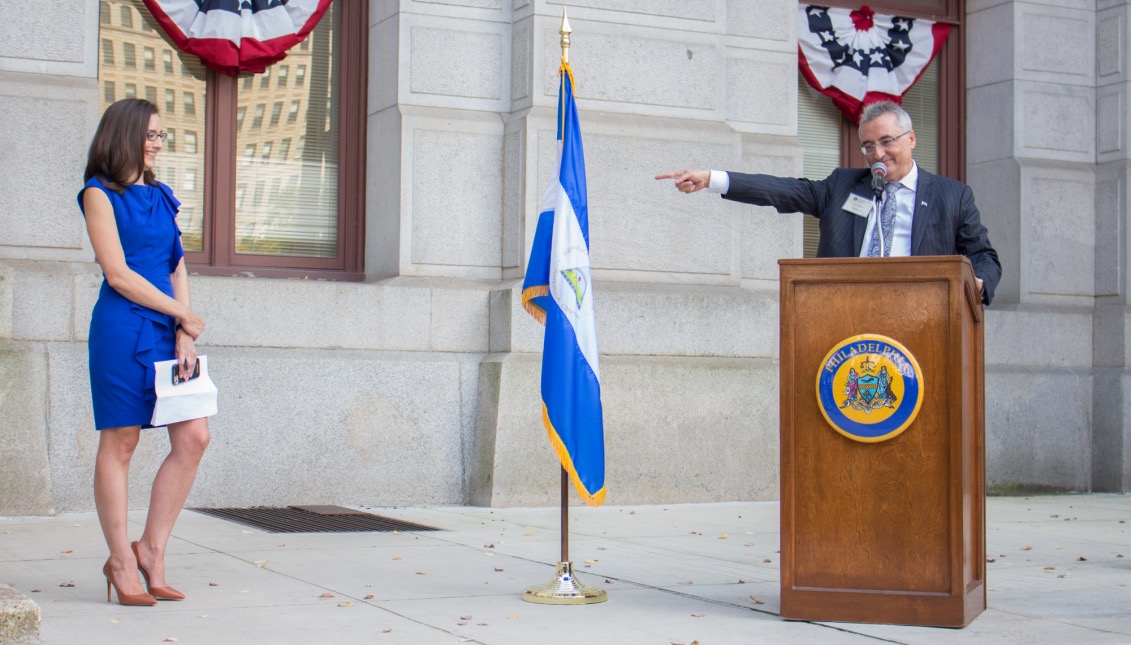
(312, 519)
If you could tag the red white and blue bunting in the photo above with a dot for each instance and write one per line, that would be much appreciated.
(859, 57)
(234, 36)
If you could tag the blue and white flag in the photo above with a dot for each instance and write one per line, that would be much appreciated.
(558, 292)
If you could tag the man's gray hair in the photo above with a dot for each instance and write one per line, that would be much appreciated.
(875, 110)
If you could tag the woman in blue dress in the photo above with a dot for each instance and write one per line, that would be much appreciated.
(143, 315)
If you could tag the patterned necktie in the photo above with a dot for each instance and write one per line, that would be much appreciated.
(887, 219)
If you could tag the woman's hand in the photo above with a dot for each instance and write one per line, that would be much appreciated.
(191, 324)
(186, 353)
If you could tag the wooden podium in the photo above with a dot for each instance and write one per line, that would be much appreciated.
(887, 530)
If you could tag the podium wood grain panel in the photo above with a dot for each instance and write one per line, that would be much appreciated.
(889, 532)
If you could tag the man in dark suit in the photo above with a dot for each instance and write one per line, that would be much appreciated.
(918, 213)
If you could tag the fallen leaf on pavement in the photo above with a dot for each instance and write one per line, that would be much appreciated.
(767, 560)
(325, 594)
(397, 558)
(66, 584)
(113, 621)
(467, 617)
(421, 573)
(386, 630)
(169, 640)
(1082, 559)
(498, 569)
(213, 584)
(512, 616)
(697, 615)
(369, 597)
(590, 562)
(724, 536)
(756, 601)
(1027, 548)
(345, 604)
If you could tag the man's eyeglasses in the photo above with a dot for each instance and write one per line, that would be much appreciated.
(154, 135)
(869, 148)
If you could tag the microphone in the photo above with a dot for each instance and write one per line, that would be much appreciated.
(879, 172)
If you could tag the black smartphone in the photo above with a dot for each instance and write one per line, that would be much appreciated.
(177, 373)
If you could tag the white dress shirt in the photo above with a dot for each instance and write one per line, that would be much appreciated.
(904, 211)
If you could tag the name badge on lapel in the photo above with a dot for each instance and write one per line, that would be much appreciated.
(857, 205)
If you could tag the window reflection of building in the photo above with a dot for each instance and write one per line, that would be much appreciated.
(298, 215)
(291, 207)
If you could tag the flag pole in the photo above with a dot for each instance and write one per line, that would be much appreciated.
(564, 589)
(565, 515)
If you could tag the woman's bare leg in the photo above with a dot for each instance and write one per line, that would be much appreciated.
(171, 486)
(111, 498)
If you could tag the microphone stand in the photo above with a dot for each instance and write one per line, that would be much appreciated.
(877, 191)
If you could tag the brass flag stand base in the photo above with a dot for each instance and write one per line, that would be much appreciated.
(564, 589)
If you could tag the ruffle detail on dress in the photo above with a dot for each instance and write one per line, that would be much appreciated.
(174, 207)
(153, 325)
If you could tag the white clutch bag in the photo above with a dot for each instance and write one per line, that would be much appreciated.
(182, 400)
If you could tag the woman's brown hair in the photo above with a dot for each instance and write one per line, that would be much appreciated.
(117, 152)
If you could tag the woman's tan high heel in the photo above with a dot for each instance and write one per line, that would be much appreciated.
(160, 593)
(134, 600)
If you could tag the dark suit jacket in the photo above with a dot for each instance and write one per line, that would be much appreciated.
(945, 222)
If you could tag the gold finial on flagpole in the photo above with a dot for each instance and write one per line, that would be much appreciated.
(565, 31)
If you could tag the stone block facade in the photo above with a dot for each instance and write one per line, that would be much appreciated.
(419, 384)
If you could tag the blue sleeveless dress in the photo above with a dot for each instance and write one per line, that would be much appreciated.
(126, 338)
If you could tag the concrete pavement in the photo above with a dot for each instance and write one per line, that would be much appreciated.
(1060, 572)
